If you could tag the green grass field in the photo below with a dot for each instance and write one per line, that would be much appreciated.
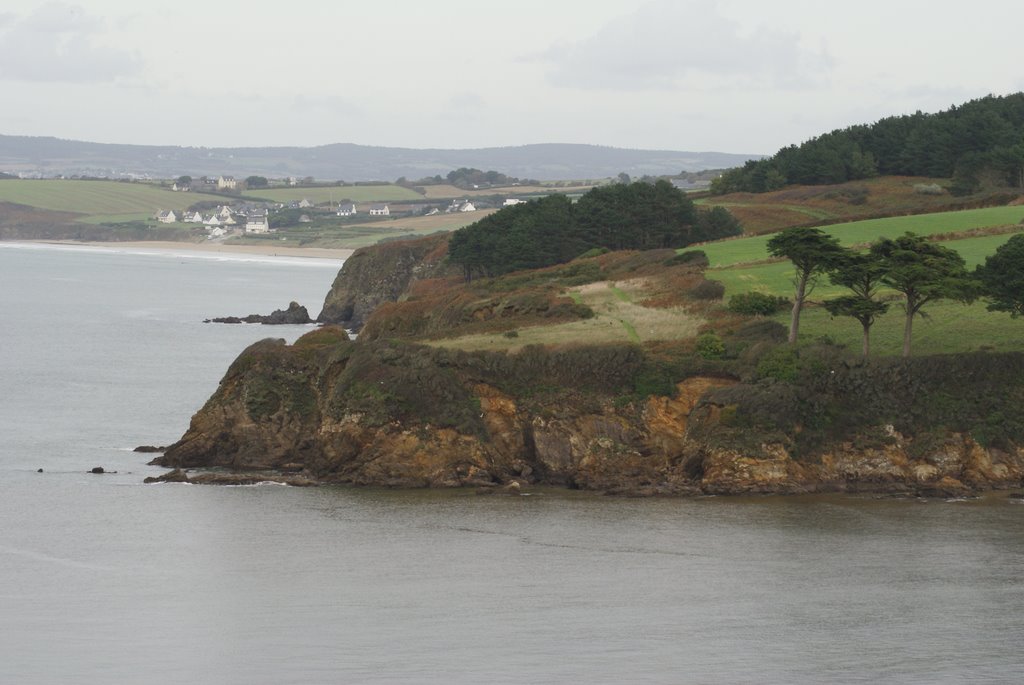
(97, 197)
(949, 327)
(336, 194)
(753, 248)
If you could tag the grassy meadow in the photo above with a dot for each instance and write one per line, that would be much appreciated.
(617, 319)
(351, 236)
(444, 191)
(97, 198)
(754, 248)
(948, 327)
(336, 194)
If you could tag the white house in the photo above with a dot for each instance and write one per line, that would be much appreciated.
(257, 223)
(216, 232)
(168, 217)
(212, 220)
(224, 211)
(226, 183)
(346, 210)
(380, 210)
(193, 217)
(180, 187)
(467, 207)
(305, 204)
(512, 201)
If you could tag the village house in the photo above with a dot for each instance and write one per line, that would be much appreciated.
(224, 212)
(212, 220)
(181, 187)
(226, 183)
(257, 223)
(460, 206)
(193, 217)
(346, 210)
(305, 204)
(216, 232)
(380, 210)
(512, 201)
(168, 217)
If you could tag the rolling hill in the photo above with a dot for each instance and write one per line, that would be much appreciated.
(345, 161)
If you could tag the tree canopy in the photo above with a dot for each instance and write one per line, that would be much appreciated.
(552, 230)
(1002, 277)
(862, 273)
(922, 271)
(812, 252)
(979, 138)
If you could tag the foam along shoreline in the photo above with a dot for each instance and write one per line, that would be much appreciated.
(201, 248)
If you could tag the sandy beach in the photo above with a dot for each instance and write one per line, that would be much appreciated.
(215, 247)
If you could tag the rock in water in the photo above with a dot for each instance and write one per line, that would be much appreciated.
(295, 314)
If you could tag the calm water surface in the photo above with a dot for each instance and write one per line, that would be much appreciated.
(104, 580)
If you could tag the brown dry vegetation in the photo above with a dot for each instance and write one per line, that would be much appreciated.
(636, 297)
(865, 199)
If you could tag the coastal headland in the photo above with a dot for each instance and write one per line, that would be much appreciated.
(618, 373)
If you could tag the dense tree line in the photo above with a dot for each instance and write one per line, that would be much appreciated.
(982, 140)
(552, 230)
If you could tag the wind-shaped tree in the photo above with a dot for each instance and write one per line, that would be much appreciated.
(923, 271)
(813, 252)
(862, 273)
(1002, 277)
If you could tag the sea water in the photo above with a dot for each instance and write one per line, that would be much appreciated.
(106, 580)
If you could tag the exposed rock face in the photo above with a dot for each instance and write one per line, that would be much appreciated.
(382, 273)
(403, 415)
(295, 314)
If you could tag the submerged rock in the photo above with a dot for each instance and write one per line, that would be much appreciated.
(218, 478)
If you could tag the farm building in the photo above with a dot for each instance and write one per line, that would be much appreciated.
(380, 210)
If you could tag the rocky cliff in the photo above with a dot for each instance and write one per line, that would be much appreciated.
(401, 414)
(414, 404)
(382, 273)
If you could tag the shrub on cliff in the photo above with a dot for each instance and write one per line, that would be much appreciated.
(754, 303)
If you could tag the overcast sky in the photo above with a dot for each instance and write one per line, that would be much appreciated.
(733, 75)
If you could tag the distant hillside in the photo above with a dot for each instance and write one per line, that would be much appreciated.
(976, 144)
(345, 161)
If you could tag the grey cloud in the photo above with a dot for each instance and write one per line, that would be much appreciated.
(667, 42)
(60, 43)
(466, 101)
(331, 104)
(59, 17)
